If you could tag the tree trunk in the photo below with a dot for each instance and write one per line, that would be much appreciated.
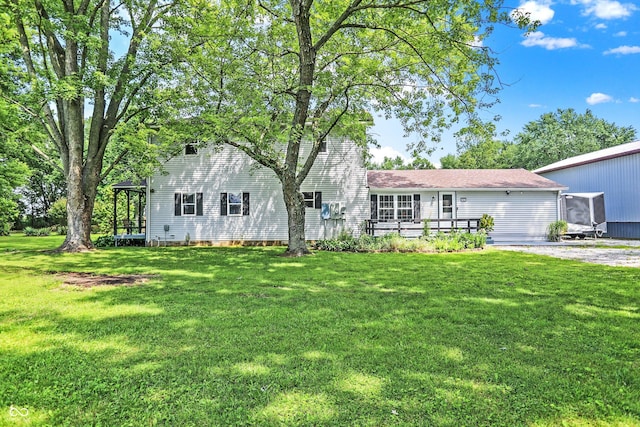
(79, 213)
(81, 195)
(294, 202)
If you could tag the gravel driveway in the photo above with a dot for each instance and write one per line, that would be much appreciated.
(586, 251)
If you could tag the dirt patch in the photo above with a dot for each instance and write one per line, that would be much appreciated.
(89, 280)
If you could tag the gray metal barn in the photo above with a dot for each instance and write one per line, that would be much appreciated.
(614, 171)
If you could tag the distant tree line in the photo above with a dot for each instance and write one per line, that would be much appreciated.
(551, 138)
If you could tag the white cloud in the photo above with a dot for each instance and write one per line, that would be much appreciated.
(634, 100)
(538, 38)
(539, 10)
(536, 105)
(378, 154)
(623, 50)
(601, 26)
(607, 9)
(598, 98)
(621, 34)
(477, 42)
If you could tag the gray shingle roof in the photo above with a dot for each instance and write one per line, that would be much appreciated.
(453, 179)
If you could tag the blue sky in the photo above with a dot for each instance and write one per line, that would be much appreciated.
(585, 55)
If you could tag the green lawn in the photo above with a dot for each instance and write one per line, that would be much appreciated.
(242, 336)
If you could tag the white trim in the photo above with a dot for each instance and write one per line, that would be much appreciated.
(183, 204)
(396, 208)
(454, 213)
(241, 204)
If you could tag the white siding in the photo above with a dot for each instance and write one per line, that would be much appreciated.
(520, 215)
(339, 174)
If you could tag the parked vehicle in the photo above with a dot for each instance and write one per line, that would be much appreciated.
(584, 214)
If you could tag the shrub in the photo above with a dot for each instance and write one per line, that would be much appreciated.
(486, 223)
(105, 242)
(31, 232)
(426, 227)
(393, 242)
(5, 228)
(556, 230)
(59, 229)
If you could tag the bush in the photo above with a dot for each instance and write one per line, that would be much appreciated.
(486, 223)
(5, 229)
(393, 242)
(556, 230)
(105, 242)
(59, 229)
(426, 227)
(31, 232)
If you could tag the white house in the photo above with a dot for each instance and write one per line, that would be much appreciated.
(614, 171)
(522, 203)
(220, 195)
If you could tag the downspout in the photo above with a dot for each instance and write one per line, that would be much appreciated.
(559, 206)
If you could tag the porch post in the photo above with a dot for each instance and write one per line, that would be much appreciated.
(115, 212)
(140, 212)
(129, 211)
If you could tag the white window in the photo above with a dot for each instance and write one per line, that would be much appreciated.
(386, 208)
(312, 199)
(393, 207)
(188, 203)
(404, 210)
(235, 204)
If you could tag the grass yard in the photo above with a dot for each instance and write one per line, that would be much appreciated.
(241, 336)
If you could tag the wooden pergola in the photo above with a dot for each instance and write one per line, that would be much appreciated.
(130, 228)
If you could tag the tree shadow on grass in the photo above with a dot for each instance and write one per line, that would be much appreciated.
(241, 337)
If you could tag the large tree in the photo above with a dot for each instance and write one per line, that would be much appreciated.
(565, 133)
(89, 67)
(14, 129)
(275, 78)
(486, 154)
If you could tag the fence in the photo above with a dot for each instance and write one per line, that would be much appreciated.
(415, 229)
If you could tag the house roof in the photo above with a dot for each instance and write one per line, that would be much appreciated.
(595, 156)
(453, 179)
(130, 184)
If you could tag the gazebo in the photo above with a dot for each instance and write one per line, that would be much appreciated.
(130, 230)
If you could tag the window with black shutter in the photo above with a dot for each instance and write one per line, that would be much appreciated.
(312, 199)
(234, 204)
(188, 204)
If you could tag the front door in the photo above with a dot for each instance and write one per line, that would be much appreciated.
(447, 209)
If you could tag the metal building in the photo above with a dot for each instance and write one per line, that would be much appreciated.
(614, 171)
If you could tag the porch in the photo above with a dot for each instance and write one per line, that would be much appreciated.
(129, 229)
(415, 229)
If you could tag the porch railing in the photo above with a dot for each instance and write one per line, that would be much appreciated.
(130, 227)
(415, 229)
